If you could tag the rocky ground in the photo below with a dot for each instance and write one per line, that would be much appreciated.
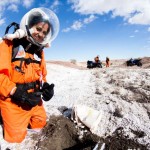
(120, 93)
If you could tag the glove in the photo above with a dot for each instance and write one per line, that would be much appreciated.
(21, 96)
(48, 91)
(33, 99)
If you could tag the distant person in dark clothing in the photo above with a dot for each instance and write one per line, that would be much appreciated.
(132, 60)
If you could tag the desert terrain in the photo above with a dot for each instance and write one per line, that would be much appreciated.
(119, 93)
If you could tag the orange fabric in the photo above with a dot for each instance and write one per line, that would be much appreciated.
(32, 72)
(5, 68)
(15, 118)
(96, 59)
(107, 62)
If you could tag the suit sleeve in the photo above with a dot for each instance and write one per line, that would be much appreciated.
(6, 85)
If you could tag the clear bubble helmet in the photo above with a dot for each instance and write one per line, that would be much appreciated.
(37, 15)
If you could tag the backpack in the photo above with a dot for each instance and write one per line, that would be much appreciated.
(15, 48)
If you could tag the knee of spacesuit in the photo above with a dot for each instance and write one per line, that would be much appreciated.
(14, 136)
(37, 122)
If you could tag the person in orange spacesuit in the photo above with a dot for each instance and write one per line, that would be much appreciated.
(96, 59)
(107, 62)
(23, 83)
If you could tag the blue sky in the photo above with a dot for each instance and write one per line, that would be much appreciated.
(119, 29)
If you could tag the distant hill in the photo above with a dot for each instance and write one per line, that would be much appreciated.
(114, 63)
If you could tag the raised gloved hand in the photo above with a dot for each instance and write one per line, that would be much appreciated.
(21, 96)
(48, 91)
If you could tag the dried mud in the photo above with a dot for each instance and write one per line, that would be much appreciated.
(61, 133)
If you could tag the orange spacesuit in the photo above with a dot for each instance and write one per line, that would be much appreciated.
(107, 62)
(23, 83)
(16, 118)
(96, 59)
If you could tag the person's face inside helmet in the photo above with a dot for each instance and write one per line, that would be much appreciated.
(39, 31)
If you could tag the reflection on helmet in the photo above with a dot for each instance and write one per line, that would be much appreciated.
(37, 15)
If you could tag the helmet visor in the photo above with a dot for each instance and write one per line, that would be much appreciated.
(43, 16)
